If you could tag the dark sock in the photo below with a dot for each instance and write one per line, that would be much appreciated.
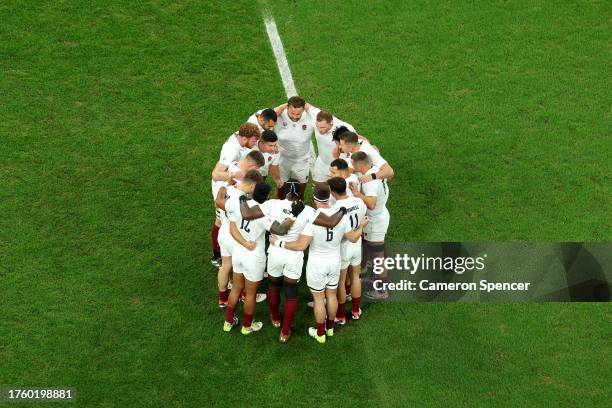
(290, 309)
(330, 324)
(341, 313)
(355, 305)
(246, 322)
(320, 329)
(229, 315)
(274, 302)
(223, 295)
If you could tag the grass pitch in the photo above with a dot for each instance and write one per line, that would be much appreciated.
(495, 117)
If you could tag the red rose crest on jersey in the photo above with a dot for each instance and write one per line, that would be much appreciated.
(269, 158)
(304, 126)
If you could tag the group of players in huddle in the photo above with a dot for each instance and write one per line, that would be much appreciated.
(350, 192)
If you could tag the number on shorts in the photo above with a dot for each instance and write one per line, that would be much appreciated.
(330, 234)
(244, 225)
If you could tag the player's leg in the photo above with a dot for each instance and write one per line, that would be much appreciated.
(373, 250)
(275, 281)
(341, 299)
(354, 272)
(332, 309)
(226, 245)
(319, 312)
(292, 272)
(331, 297)
(275, 284)
(316, 282)
(374, 247)
(248, 325)
(253, 275)
(290, 308)
(232, 301)
(223, 279)
(214, 243)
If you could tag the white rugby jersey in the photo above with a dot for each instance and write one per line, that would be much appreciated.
(365, 146)
(355, 210)
(376, 188)
(232, 203)
(325, 141)
(325, 244)
(270, 159)
(251, 230)
(279, 210)
(232, 151)
(350, 179)
(294, 137)
(216, 185)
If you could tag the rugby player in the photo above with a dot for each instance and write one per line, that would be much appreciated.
(284, 266)
(350, 143)
(323, 268)
(375, 194)
(236, 146)
(351, 252)
(265, 119)
(325, 126)
(226, 242)
(294, 130)
(340, 168)
(248, 257)
(268, 146)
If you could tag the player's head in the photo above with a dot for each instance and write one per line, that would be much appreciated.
(339, 168)
(268, 143)
(337, 186)
(320, 195)
(295, 107)
(361, 162)
(292, 187)
(338, 133)
(250, 180)
(267, 119)
(324, 122)
(253, 161)
(248, 135)
(349, 142)
(261, 192)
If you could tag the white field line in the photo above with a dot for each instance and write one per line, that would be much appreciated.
(283, 64)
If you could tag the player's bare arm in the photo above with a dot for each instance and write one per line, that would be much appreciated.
(250, 213)
(300, 245)
(220, 173)
(275, 173)
(385, 172)
(221, 198)
(281, 229)
(329, 221)
(370, 201)
(280, 108)
(250, 245)
(354, 235)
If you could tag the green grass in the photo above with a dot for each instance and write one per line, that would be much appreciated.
(495, 116)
